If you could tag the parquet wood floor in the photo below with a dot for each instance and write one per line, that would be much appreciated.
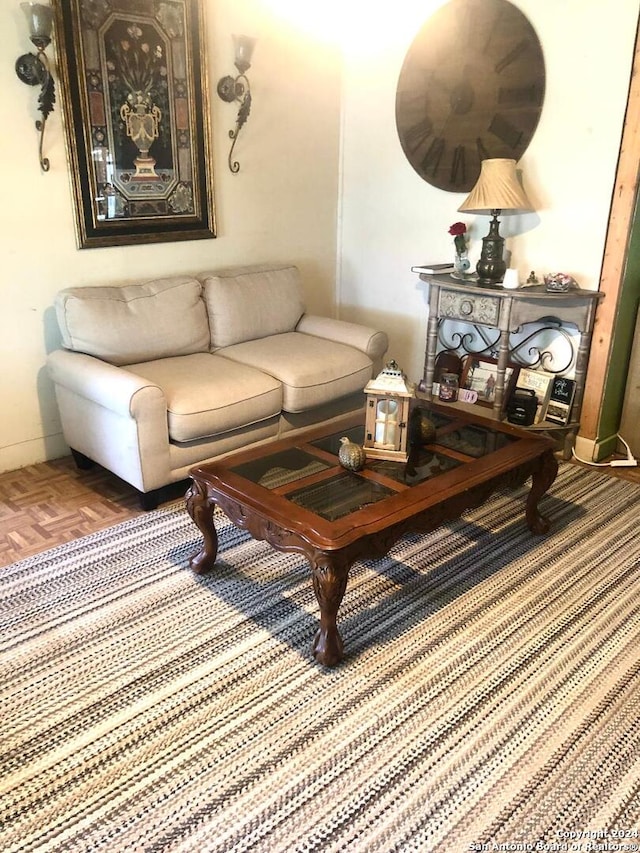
(53, 502)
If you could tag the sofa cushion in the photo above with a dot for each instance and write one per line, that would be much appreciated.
(207, 395)
(246, 303)
(313, 371)
(136, 322)
(371, 341)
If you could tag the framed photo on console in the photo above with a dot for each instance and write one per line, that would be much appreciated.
(133, 83)
(480, 374)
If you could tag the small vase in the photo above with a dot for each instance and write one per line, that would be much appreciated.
(461, 264)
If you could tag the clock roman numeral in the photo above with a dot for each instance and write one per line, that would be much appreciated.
(407, 98)
(520, 96)
(431, 159)
(418, 133)
(458, 165)
(504, 130)
(490, 27)
(467, 25)
(483, 154)
(510, 57)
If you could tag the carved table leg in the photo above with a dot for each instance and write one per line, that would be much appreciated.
(543, 478)
(201, 508)
(329, 583)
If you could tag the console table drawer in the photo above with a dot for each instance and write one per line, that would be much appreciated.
(473, 309)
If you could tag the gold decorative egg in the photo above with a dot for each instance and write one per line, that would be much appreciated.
(422, 429)
(427, 430)
(350, 455)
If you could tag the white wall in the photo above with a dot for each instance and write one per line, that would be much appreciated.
(283, 203)
(391, 219)
(281, 206)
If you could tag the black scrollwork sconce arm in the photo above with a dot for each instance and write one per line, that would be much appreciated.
(33, 69)
(236, 89)
(232, 89)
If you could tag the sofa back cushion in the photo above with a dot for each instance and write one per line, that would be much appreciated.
(247, 303)
(136, 322)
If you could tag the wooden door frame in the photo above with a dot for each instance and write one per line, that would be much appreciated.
(623, 204)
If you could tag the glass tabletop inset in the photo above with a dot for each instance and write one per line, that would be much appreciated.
(474, 440)
(421, 466)
(279, 469)
(339, 495)
(335, 493)
(331, 443)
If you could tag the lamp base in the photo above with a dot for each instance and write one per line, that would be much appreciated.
(491, 279)
(491, 266)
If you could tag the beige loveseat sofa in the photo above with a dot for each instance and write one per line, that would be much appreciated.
(157, 377)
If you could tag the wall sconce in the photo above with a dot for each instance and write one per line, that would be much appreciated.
(237, 89)
(33, 69)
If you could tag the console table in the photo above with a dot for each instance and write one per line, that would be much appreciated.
(508, 311)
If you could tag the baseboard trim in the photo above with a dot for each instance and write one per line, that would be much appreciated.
(32, 452)
(595, 450)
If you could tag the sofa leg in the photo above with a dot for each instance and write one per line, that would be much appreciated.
(82, 462)
(149, 500)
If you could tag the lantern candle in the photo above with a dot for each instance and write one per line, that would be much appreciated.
(386, 423)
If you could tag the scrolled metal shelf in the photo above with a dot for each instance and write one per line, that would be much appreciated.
(467, 341)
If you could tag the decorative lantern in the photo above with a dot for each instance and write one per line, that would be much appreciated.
(389, 398)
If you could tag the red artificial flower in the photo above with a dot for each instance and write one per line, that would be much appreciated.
(458, 229)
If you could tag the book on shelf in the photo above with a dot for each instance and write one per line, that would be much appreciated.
(433, 269)
(560, 401)
(540, 382)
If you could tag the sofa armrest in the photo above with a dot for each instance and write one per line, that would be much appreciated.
(370, 341)
(113, 417)
(114, 388)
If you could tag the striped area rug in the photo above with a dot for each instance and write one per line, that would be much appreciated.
(489, 699)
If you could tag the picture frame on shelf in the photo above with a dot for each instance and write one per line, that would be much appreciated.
(480, 373)
(137, 120)
(540, 382)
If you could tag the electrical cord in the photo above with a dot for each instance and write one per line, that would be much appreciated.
(629, 462)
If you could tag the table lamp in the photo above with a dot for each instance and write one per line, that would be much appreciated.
(497, 191)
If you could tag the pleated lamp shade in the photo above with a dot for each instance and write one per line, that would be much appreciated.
(497, 188)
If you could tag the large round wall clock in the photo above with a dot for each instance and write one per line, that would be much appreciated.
(471, 88)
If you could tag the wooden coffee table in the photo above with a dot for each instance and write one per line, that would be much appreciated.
(294, 494)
